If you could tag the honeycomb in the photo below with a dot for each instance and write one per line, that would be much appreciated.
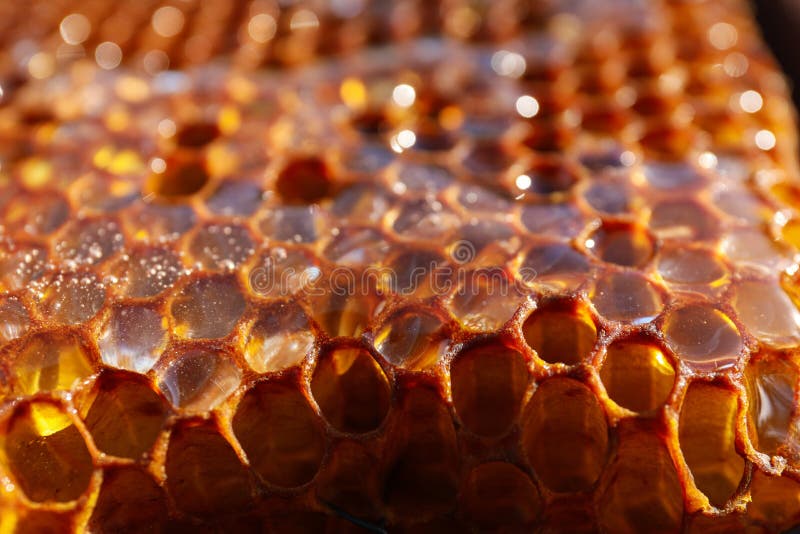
(407, 267)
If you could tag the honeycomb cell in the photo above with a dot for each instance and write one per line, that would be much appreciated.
(421, 471)
(124, 414)
(293, 224)
(555, 220)
(280, 272)
(304, 181)
(46, 453)
(701, 334)
(235, 198)
(752, 247)
(197, 134)
(207, 308)
(500, 495)
(560, 333)
(36, 215)
(707, 439)
(133, 338)
(351, 389)
(626, 297)
(72, 298)
(183, 175)
(771, 384)
(282, 436)
(425, 220)
(421, 178)
(555, 264)
(767, 312)
(21, 265)
(488, 382)
(412, 339)
(671, 175)
(549, 177)
(485, 299)
(565, 435)
(776, 500)
(637, 375)
(413, 273)
(129, 500)
(344, 308)
(146, 272)
(155, 222)
(350, 481)
(361, 204)
(49, 361)
(280, 338)
(220, 247)
(624, 245)
(609, 197)
(684, 220)
(691, 267)
(359, 247)
(14, 319)
(645, 492)
(204, 475)
(198, 379)
(89, 241)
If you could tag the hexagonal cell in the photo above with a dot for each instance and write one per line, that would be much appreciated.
(204, 475)
(488, 382)
(146, 272)
(622, 244)
(499, 495)
(756, 247)
(423, 178)
(89, 241)
(672, 175)
(133, 338)
(304, 181)
(37, 215)
(283, 271)
(691, 267)
(481, 199)
(46, 454)
(221, 247)
(129, 500)
(184, 175)
(683, 219)
(350, 481)
(413, 273)
(72, 298)
(14, 319)
(610, 197)
(360, 204)
(294, 224)
(341, 306)
(549, 176)
(707, 438)
(565, 435)
(425, 219)
(124, 414)
(235, 198)
(280, 338)
(626, 297)
(207, 308)
(644, 493)
(50, 361)
(553, 220)
(767, 312)
(198, 379)
(556, 264)
(741, 204)
(155, 222)
(412, 338)
(197, 134)
(637, 375)
(561, 332)
(282, 436)
(775, 501)
(485, 299)
(771, 385)
(701, 334)
(358, 247)
(20, 265)
(421, 469)
(351, 389)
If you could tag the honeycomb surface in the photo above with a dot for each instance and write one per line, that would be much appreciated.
(405, 267)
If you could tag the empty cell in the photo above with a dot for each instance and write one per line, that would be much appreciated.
(46, 454)
(487, 383)
(184, 175)
(637, 375)
(204, 475)
(350, 480)
(351, 389)
(129, 500)
(560, 334)
(282, 436)
(499, 495)
(304, 181)
(775, 501)
(644, 493)
(565, 435)
(707, 439)
(124, 414)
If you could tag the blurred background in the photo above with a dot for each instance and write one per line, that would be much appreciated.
(780, 24)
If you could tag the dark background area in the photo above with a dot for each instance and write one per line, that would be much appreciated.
(780, 25)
